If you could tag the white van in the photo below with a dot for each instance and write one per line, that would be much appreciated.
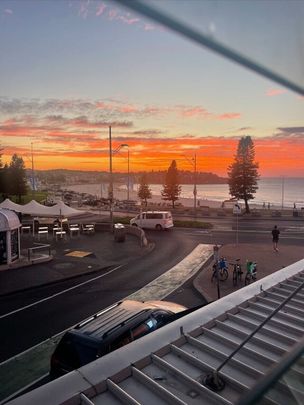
(153, 220)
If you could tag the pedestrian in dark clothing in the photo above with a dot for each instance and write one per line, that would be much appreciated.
(275, 238)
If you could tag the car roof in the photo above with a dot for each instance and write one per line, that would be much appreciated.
(156, 212)
(101, 324)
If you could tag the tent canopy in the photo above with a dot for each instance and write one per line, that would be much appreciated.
(10, 205)
(35, 209)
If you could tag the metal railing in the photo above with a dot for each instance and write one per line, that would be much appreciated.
(276, 373)
(213, 380)
(33, 250)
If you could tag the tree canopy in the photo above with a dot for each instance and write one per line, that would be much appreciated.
(243, 172)
(17, 177)
(171, 188)
(144, 191)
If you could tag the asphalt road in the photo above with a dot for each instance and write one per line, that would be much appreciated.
(41, 321)
(29, 326)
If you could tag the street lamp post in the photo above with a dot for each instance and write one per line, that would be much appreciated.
(111, 180)
(33, 175)
(193, 162)
(125, 145)
(128, 193)
(111, 154)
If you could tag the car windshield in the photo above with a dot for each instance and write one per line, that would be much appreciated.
(178, 121)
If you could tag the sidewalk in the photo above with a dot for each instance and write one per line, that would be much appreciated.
(267, 260)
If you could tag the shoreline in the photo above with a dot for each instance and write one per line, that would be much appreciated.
(120, 193)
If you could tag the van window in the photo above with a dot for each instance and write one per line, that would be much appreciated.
(162, 317)
(154, 215)
(168, 215)
(121, 341)
(143, 328)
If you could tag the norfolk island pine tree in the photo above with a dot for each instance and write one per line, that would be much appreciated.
(171, 188)
(243, 172)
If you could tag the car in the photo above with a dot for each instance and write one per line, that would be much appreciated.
(109, 329)
(153, 220)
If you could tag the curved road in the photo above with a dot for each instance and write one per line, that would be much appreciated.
(30, 326)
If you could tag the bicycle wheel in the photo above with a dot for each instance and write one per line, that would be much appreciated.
(247, 279)
(239, 271)
(223, 274)
(234, 278)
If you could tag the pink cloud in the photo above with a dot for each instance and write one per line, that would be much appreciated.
(128, 109)
(84, 8)
(113, 13)
(149, 27)
(8, 11)
(275, 92)
(100, 9)
(128, 20)
(228, 116)
(195, 112)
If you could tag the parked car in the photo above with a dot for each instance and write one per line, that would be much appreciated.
(110, 329)
(153, 220)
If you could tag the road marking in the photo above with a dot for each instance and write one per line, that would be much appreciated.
(59, 293)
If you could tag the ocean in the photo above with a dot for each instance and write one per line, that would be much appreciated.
(277, 191)
(271, 190)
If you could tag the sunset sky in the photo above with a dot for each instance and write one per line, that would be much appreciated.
(70, 69)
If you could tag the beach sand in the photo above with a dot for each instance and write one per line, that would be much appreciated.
(121, 194)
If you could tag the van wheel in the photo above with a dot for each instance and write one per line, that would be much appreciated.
(134, 225)
(158, 227)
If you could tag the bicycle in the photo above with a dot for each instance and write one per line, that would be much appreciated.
(251, 274)
(237, 272)
(220, 270)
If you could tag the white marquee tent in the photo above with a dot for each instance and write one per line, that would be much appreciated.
(35, 209)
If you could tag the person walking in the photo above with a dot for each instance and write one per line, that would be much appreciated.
(275, 238)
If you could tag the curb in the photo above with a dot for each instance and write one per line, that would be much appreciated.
(196, 283)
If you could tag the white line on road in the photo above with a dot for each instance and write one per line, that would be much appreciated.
(60, 293)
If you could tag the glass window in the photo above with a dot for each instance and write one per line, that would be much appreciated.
(162, 317)
(143, 328)
(120, 341)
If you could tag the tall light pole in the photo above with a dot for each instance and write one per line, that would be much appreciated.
(193, 162)
(128, 193)
(283, 179)
(33, 177)
(111, 154)
(125, 145)
(111, 180)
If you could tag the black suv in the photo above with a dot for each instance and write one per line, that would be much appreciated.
(110, 329)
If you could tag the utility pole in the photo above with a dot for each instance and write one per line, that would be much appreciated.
(193, 162)
(111, 180)
(194, 187)
(33, 177)
(128, 194)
